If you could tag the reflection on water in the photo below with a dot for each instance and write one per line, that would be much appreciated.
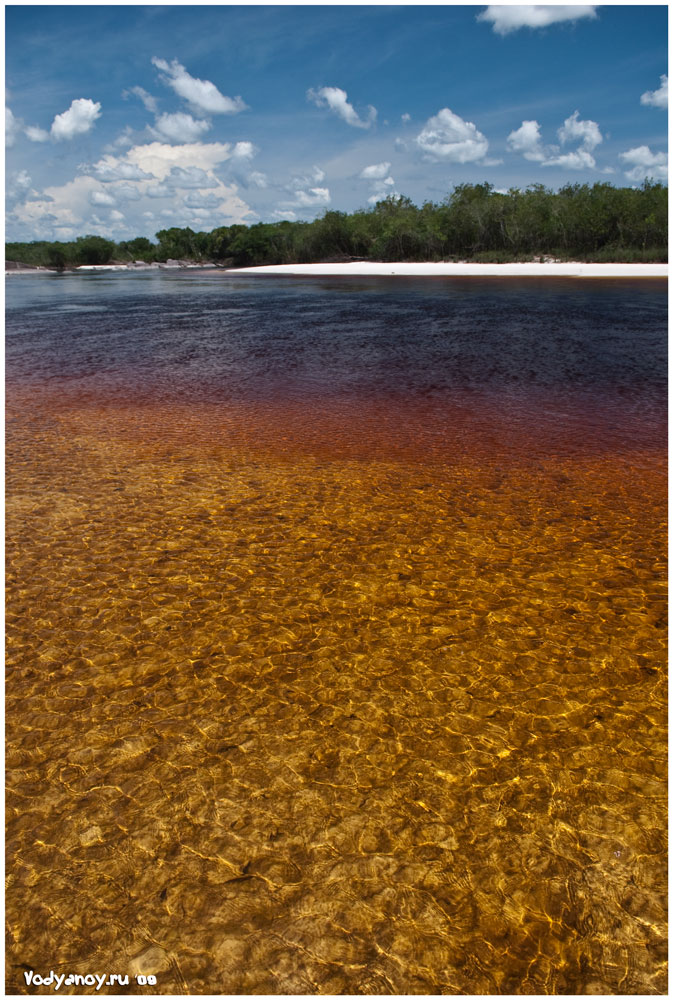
(337, 662)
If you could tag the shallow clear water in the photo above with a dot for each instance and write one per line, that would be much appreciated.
(336, 633)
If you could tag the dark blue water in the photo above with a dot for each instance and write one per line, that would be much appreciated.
(219, 332)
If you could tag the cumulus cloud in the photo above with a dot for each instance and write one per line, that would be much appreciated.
(375, 171)
(127, 192)
(12, 127)
(201, 94)
(159, 191)
(116, 215)
(578, 159)
(197, 199)
(36, 134)
(18, 185)
(311, 198)
(657, 98)
(149, 102)
(111, 168)
(644, 163)
(284, 214)
(337, 101)
(527, 141)
(406, 117)
(446, 136)
(125, 138)
(244, 150)
(511, 18)
(382, 182)
(191, 177)
(587, 133)
(382, 190)
(160, 158)
(179, 127)
(315, 176)
(258, 179)
(77, 120)
(101, 198)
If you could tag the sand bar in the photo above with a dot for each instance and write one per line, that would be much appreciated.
(557, 269)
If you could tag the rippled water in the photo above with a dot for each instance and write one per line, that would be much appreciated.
(336, 649)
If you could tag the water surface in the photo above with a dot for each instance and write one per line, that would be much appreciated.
(336, 633)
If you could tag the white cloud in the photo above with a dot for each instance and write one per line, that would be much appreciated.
(191, 177)
(197, 199)
(285, 213)
(527, 141)
(315, 196)
(337, 101)
(201, 94)
(125, 138)
(149, 102)
(375, 171)
(446, 136)
(36, 134)
(645, 163)
(378, 174)
(18, 185)
(116, 215)
(657, 98)
(159, 191)
(160, 158)
(179, 127)
(111, 168)
(579, 159)
(12, 127)
(406, 117)
(66, 205)
(304, 196)
(127, 192)
(77, 120)
(511, 18)
(244, 150)
(258, 179)
(315, 176)
(587, 132)
(101, 198)
(382, 190)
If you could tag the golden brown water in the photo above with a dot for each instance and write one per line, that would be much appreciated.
(291, 709)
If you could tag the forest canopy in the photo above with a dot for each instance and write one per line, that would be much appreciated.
(474, 222)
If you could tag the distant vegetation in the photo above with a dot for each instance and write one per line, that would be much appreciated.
(474, 222)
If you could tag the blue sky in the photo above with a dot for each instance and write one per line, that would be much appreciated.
(124, 120)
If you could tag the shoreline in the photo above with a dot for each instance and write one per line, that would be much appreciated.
(529, 269)
(371, 269)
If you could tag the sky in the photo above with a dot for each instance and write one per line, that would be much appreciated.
(125, 120)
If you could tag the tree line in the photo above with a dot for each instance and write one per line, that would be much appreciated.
(474, 222)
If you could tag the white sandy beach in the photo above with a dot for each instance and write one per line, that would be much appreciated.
(565, 269)
(531, 269)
